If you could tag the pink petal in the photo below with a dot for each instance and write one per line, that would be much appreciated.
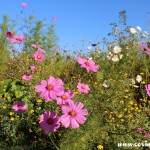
(65, 109)
(83, 112)
(73, 123)
(65, 120)
(80, 119)
(52, 95)
(51, 80)
(78, 106)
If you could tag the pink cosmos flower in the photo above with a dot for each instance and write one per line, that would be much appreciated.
(54, 18)
(83, 88)
(50, 89)
(33, 68)
(19, 106)
(88, 64)
(24, 5)
(17, 39)
(27, 76)
(145, 48)
(148, 89)
(65, 98)
(37, 47)
(38, 56)
(49, 121)
(147, 135)
(73, 115)
(139, 129)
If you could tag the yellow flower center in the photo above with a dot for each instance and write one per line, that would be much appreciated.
(50, 121)
(87, 63)
(38, 57)
(83, 87)
(64, 97)
(18, 39)
(49, 87)
(72, 113)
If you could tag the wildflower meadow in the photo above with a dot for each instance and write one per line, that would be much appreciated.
(55, 100)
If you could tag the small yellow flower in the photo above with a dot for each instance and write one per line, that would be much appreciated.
(120, 116)
(12, 119)
(126, 90)
(118, 125)
(121, 102)
(126, 75)
(83, 139)
(143, 82)
(11, 113)
(113, 119)
(4, 107)
(125, 109)
(39, 100)
(76, 92)
(122, 120)
(33, 122)
(126, 97)
(141, 73)
(100, 147)
(130, 102)
(31, 111)
(144, 100)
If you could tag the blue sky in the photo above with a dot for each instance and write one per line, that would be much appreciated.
(81, 19)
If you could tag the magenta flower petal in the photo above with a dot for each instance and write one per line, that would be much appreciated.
(49, 121)
(148, 89)
(19, 106)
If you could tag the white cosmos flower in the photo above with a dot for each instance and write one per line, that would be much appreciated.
(132, 30)
(109, 56)
(105, 84)
(138, 78)
(120, 56)
(133, 83)
(90, 58)
(117, 49)
(89, 47)
(139, 28)
(115, 58)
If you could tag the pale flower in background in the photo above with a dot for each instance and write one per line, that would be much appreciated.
(120, 56)
(90, 58)
(139, 28)
(115, 58)
(89, 47)
(105, 84)
(109, 56)
(24, 5)
(117, 49)
(133, 83)
(138, 78)
(132, 30)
